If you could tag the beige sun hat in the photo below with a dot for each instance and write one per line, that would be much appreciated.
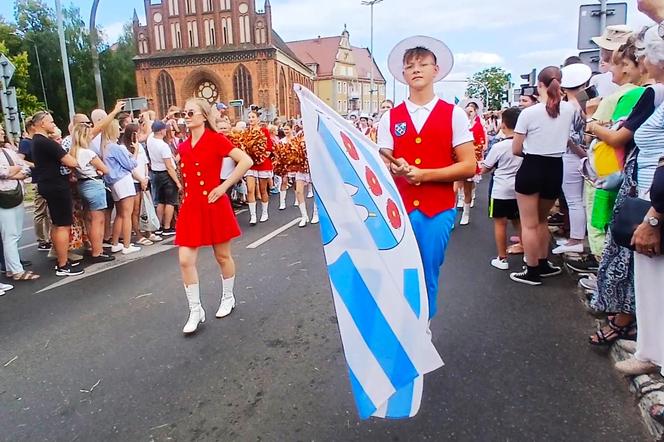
(613, 37)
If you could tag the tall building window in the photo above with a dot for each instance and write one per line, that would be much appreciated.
(159, 40)
(225, 5)
(189, 6)
(260, 37)
(226, 31)
(142, 44)
(192, 31)
(176, 35)
(245, 29)
(207, 6)
(210, 35)
(173, 7)
(165, 92)
(242, 88)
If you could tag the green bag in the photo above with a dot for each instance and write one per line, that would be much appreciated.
(603, 208)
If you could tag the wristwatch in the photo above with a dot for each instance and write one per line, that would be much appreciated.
(652, 221)
(660, 29)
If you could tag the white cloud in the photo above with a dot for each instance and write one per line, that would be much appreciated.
(478, 59)
(554, 57)
(113, 31)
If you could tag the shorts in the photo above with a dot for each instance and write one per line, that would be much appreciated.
(124, 188)
(503, 209)
(299, 176)
(540, 175)
(93, 194)
(59, 202)
(165, 190)
(262, 174)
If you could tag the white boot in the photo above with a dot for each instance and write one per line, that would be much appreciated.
(314, 217)
(227, 303)
(252, 213)
(196, 312)
(460, 199)
(282, 199)
(296, 203)
(305, 216)
(465, 216)
(310, 193)
(264, 214)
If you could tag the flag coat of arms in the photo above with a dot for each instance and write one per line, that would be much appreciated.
(374, 265)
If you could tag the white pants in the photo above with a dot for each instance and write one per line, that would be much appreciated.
(573, 190)
(648, 283)
(11, 228)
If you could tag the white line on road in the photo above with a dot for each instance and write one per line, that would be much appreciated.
(271, 235)
(27, 246)
(29, 228)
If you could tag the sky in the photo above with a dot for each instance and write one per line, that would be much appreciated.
(517, 35)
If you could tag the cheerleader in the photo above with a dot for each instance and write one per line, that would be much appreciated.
(300, 166)
(282, 166)
(258, 144)
(467, 188)
(206, 217)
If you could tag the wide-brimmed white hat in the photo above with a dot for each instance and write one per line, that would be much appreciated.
(613, 37)
(478, 102)
(444, 56)
(575, 75)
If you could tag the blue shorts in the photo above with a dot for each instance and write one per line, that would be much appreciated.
(93, 194)
(432, 235)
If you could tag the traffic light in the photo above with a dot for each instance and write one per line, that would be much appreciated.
(531, 78)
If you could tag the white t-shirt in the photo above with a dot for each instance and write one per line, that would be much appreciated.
(95, 145)
(604, 84)
(85, 168)
(142, 161)
(507, 165)
(545, 136)
(419, 116)
(227, 167)
(159, 152)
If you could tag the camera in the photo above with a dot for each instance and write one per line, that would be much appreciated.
(591, 92)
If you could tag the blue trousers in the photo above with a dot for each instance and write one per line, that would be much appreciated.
(432, 235)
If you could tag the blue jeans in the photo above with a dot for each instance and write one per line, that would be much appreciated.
(432, 235)
(11, 229)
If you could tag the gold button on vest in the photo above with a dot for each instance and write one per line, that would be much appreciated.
(418, 140)
(418, 161)
(416, 203)
(202, 183)
(205, 193)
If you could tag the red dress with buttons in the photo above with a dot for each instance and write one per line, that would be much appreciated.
(199, 222)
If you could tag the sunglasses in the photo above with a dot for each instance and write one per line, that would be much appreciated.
(191, 113)
(86, 123)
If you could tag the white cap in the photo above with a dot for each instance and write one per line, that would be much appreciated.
(575, 75)
(444, 56)
(478, 102)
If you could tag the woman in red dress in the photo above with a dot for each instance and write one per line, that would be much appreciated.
(261, 172)
(206, 217)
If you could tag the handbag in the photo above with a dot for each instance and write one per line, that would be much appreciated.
(11, 198)
(629, 216)
(148, 219)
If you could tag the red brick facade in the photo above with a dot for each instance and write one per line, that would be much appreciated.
(220, 50)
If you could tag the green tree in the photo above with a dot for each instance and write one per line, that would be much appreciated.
(496, 81)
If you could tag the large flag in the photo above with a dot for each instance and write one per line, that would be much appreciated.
(374, 265)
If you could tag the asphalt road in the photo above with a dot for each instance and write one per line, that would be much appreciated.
(102, 357)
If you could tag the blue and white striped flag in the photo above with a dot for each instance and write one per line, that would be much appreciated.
(374, 265)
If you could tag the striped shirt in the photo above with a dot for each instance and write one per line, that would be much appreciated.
(650, 140)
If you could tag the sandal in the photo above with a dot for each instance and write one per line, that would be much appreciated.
(657, 413)
(144, 242)
(24, 276)
(606, 336)
(516, 249)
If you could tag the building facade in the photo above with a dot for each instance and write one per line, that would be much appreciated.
(219, 50)
(342, 73)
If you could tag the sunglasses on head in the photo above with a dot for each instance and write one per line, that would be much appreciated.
(86, 123)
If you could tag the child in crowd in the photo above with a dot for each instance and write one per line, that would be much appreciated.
(503, 206)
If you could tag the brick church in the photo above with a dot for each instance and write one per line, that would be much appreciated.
(220, 50)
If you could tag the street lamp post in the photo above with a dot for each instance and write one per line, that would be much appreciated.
(65, 58)
(94, 40)
(371, 4)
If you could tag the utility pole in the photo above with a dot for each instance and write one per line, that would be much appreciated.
(94, 40)
(65, 58)
(602, 16)
(41, 76)
(371, 4)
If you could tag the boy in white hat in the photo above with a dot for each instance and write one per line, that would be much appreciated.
(433, 147)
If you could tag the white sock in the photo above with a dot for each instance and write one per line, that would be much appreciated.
(264, 206)
(252, 208)
(466, 207)
(282, 197)
(315, 210)
(303, 210)
(227, 285)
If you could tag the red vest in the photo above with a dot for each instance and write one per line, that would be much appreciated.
(430, 149)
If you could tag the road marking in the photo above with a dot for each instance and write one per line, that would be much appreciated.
(271, 235)
(29, 228)
(27, 246)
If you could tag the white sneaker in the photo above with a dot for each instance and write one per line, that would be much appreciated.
(576, 248)
(226, 305)
(465, 218)
(500, 263)
(117, 248)
(303, 222)
(131, 249)
(282, 205)
(5, 287)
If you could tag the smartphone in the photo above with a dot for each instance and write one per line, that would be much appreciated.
(591, 92)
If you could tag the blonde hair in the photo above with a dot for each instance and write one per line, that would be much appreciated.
(110, 134)
(272, 128)
(57, 133)
(205, 109)
(80, 138)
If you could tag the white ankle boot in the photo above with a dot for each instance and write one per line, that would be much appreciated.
(465, 215)
(314, 217)
(227, 303)
(282, 199)
(264, 214)
(252, 213)
(304, 215)
(196, 312)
